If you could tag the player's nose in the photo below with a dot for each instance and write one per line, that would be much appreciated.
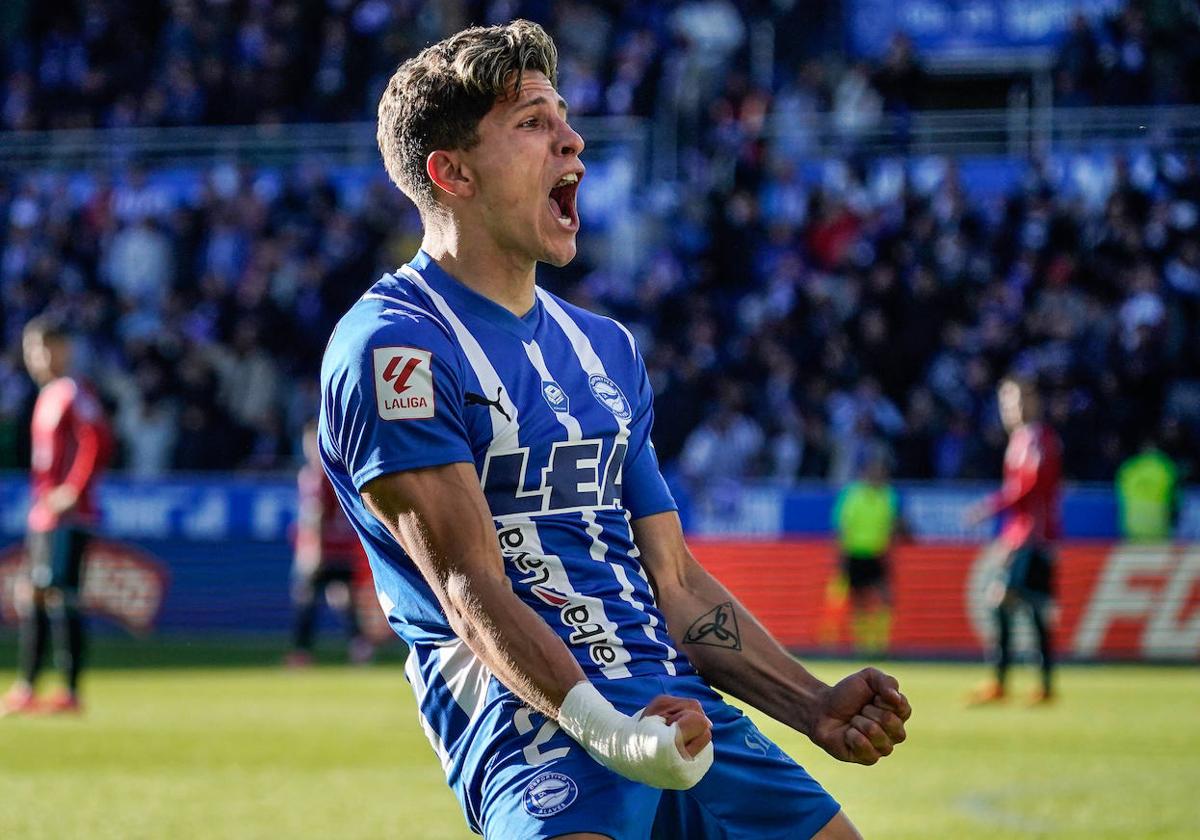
(570, 141)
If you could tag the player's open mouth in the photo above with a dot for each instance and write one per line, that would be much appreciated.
(562, 200)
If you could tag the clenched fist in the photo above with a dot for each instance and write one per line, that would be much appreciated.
(861, 719)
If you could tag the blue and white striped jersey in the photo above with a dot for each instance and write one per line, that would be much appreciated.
(554, 409)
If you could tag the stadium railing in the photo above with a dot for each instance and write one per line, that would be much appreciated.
(1013, 131)
(1016, 131)
(273, 145)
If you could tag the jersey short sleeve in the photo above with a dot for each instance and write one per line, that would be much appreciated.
(392, 397)
(644, 491)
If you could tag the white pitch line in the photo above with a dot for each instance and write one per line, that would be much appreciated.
(984, 807)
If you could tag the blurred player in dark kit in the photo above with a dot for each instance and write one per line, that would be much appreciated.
(326, 560)
(1029, 501)
(71, 445)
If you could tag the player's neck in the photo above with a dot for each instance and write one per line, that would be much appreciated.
(49, 379)
(482, 266)
(1023, 425)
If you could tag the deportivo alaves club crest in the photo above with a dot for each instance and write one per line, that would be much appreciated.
(718, 627)
(609, 395)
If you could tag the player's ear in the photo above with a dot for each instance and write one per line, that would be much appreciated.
(448, 173)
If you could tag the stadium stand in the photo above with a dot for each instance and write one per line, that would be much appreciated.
(884, 296)
(203, 62)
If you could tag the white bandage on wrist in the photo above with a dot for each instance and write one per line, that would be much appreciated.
(644, 749)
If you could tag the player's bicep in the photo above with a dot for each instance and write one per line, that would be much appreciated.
(664, 554)
(644, 492)
(440, 518)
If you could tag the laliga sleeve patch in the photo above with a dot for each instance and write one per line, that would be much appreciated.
(403, 383)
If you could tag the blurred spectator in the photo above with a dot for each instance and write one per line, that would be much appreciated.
(1077, 67)
(138, 265)
(726, 446)
(148, 430)
(724, 450)
(247, 377)
(797, 108)
(857, 105)
(899, 78)
(710, 32)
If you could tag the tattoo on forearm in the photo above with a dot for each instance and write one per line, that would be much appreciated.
(717, 628)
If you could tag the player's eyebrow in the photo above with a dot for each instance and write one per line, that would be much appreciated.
(541, 100)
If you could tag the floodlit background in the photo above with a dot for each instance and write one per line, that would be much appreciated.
(833, 226)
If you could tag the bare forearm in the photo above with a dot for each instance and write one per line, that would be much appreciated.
(438, 516)
(859, 719)
(513, 642)
(735, 653)
(721, 638)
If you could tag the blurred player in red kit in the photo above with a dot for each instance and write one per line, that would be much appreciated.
(327, 557)
(71, 445)
(1029, 501)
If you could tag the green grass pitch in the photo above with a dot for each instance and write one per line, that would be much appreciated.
(249, 750)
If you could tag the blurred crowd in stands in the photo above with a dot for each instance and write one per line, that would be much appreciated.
(191, 62)
(797, 330)
(70, 64)
(790, 329)
(1148, 53)
(202, 308)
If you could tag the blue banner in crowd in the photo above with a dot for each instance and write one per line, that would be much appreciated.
(197, 509)
(191, 508)
(933, 512)
(966, 29)
(220, 545)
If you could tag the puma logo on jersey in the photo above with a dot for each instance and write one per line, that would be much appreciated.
(480, 399)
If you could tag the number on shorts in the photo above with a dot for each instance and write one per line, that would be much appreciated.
(534, 756)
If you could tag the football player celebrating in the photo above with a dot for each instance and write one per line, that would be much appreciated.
(491, 445)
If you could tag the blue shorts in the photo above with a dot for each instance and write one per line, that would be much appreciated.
(539, 783)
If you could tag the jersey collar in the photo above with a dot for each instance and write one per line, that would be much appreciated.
(463, 298)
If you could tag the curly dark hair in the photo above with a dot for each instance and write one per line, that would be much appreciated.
(436, 99)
